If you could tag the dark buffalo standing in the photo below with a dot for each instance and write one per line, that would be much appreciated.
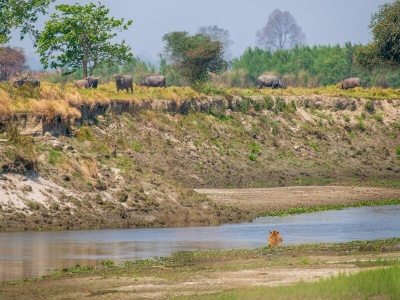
(93, 81)
(350, 83)
(153, 81)
(88, 83)
(270, 81)
(26, 81)
(124, 82)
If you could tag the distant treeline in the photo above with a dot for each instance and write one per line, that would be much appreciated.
(299, 67)
(310, 67)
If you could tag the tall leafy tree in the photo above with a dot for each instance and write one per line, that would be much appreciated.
(195, 56)
(281, 32)
(81, 38)
(21, 14)
(384, 50)
(218, 34)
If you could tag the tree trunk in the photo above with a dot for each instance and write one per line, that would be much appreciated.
(84, 63)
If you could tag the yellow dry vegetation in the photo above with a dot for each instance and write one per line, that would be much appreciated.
(63, 99)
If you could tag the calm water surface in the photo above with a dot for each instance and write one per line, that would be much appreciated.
(33, 254)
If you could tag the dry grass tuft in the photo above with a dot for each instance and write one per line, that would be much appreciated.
(5, 103)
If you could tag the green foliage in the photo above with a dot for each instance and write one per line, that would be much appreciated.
(280, 105)
(398, 152)
(268, 102)
(80, 38)
(20, 14)
(384, 50)
(195, 56)
(310, 67)
(302, 210)
(369, 106)
(107, 263)
(381, 283)
(20, 155)
(54, 157)
(84, 133)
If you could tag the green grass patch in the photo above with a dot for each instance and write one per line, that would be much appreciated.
(382, 283)
(303, 209)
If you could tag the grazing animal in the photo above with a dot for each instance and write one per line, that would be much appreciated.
(350, 83)
(270, 81)
(88, 83)
(82, 84)
(153, 81)
(26, 81)
(124, 82)
(93, 81)
(274, 238)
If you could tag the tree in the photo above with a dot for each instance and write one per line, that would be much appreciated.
(12, 62)
(194, 56)
(20, 14)
(218, 34)
(281, 32)
(384, 50)
(80, 38)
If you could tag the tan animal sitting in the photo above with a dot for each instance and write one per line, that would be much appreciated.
(274, 238)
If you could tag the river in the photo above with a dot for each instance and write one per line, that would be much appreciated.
(33, 254)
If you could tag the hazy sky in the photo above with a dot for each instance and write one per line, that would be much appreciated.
(324, 22)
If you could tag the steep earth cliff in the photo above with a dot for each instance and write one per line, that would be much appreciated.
(134, 165)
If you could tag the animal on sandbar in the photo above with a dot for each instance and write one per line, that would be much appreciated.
(88, 83)
(350, 83)
(26, 81)
(274, 238)
(154, 81)
(124, 82)
(271, 81)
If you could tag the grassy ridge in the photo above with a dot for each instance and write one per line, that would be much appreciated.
(302, 210)
(382, 283)
(61, 99)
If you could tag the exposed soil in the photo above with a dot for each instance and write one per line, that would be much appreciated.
(281, 198)
(142, 165)
(194, 279)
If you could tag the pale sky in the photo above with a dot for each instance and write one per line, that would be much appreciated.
(324, 22)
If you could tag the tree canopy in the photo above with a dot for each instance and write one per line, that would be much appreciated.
(384, 50)
(80, 38)
(218, 34)
(20, 14)
(281, 32)
(195, 56)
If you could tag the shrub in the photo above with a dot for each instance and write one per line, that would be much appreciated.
(84, 133)
(369, 106)
(20, 155)
(398, 152)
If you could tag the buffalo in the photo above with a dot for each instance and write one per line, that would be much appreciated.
(26, 81)
(124, 82)
(350, 83)
(153, 81)
(270, 81)
(82, 84)
(93, 81)
(88, 83)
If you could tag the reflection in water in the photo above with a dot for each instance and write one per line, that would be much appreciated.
(33, 254)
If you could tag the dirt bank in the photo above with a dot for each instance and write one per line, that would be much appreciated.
(279, 198)
(124, 166)
(202, 275)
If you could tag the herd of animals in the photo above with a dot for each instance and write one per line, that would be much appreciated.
(125, 82)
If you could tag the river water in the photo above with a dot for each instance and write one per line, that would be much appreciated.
(33, 254)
